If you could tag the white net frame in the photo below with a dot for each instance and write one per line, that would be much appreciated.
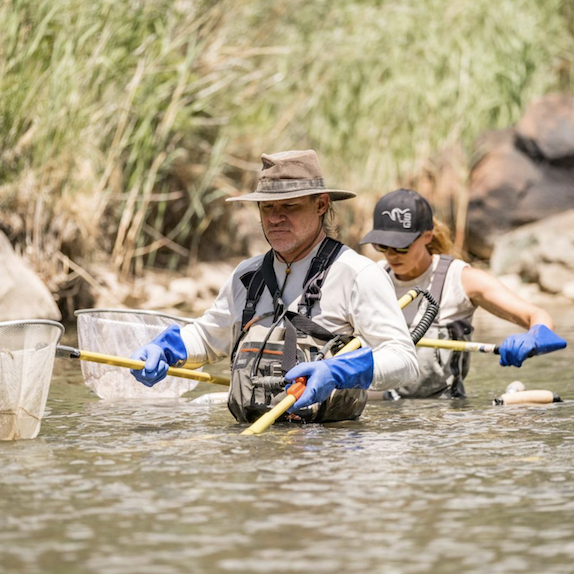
(27, 354)
(119, 332)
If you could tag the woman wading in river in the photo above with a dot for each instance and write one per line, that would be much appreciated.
(416, 248)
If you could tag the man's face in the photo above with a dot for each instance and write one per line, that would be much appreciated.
(292, 224)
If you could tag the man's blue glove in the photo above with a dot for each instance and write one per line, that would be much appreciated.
(537, 341)
(348, 371)
(166, 350)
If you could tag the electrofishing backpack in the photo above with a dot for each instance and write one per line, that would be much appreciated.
(263, 355)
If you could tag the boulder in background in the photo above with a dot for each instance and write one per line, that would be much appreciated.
(23, 295)
(525, 174)
(541, 253)
(546, 131)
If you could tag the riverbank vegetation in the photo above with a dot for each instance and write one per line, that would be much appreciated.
(125, 123)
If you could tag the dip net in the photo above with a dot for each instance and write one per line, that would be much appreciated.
(120, 333)
(27, 353)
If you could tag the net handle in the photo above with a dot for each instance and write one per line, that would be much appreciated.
(73, 353)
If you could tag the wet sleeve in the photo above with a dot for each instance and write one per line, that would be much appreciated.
(380, 324)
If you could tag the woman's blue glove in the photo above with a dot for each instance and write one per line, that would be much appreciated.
(515, 349)
(166, 350)
(348, 371)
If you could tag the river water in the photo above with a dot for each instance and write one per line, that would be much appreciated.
(412, 487)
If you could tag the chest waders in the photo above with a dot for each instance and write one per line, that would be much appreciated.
(442, 371)
(262, 355)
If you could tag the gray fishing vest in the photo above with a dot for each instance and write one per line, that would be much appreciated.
(442, 371)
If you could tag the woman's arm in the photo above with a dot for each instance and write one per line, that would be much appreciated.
(486, 291)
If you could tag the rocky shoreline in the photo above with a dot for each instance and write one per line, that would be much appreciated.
(542, 273)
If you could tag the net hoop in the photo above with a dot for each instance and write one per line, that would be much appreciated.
(35, 322)
(27, 353)
(120, 332)
(134, 312)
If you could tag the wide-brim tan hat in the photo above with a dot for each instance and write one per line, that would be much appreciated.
(291, 174)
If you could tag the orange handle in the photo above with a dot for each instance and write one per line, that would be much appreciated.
(297, 388)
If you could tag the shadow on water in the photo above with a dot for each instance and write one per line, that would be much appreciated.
(413, 486)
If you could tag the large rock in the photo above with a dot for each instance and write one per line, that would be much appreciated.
(23, 295)
(541, 252)
(546, 131)
(523, 175)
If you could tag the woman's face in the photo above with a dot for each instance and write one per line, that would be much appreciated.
(414, 262)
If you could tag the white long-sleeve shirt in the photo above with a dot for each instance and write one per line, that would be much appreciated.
(357, 298)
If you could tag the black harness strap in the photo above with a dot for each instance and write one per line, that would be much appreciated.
(256, 281)
(309, 327)
(289, 359)
(316, 275)
(270, 281)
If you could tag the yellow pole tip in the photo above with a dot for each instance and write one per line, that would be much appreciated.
(247, 432)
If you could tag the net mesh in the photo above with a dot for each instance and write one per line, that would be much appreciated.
(27, 353)
(120, 333)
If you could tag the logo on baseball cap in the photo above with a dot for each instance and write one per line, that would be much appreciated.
(399, 218)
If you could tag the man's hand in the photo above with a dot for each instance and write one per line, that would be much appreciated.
(349, 371)
(166, 350)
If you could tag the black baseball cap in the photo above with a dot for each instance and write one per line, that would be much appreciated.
(399, 218)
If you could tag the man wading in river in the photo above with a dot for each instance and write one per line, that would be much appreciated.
(303, 300)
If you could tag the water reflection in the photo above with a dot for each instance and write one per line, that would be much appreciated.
(414, 486)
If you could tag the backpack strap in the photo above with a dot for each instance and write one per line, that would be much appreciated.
(270, 281)
(307, 326)
(439, 276)
(254, 283)
(459, 361)
(316, 275)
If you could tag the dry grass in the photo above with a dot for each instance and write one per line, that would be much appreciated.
(124, 123)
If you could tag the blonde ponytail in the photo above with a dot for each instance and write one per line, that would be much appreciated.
(441, 241)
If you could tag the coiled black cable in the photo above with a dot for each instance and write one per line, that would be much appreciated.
(428, 317)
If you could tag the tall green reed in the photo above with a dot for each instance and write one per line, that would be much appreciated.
(123, 122)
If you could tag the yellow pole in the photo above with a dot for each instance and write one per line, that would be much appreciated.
(407, 298)
(137, 365)
(266, 420)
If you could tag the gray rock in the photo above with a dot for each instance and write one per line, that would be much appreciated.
(546, 130)
(523, 174)
(568, 290)
(553, 277)
(541, 252)
(23, 295)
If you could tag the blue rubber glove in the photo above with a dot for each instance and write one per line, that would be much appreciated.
(515, 349)
(348, 371)
(166, 350)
